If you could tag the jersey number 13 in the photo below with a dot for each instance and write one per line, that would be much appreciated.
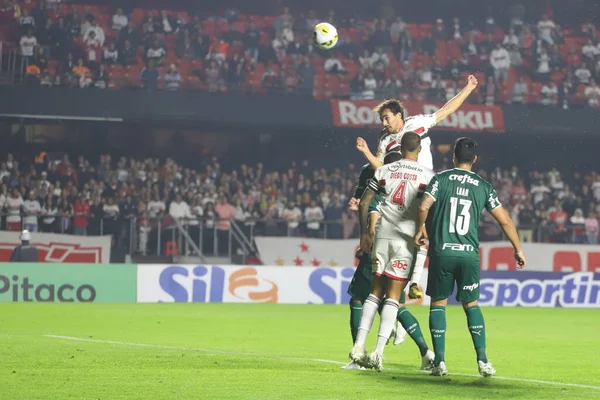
(460, 219)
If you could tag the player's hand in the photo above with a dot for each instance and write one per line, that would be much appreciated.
(472, 82)
(353, 204)
(366, 243)
(421, 237)
(521, 260)
(361, 145)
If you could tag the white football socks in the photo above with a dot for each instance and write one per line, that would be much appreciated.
(369, 311)
(419, 266)
(388, 318)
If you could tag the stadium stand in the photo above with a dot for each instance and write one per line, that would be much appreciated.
(521, 60)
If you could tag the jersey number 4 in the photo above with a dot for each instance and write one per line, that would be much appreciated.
(459, 222)
(399, 195)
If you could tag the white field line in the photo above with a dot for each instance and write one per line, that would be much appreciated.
(319, 360)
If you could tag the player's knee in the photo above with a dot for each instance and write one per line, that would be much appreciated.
(355, 301)
(469, 304)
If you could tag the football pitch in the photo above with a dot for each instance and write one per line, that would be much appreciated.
(271, 351)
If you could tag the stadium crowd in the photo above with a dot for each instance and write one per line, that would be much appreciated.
(121, 196)
(528, 59)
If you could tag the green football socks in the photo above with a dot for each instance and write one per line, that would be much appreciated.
(355, 314)
(477, 328)
(437, 326)
(411, 325)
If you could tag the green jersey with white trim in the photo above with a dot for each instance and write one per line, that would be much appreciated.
(460, 197)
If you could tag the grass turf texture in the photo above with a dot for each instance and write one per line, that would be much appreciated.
(225, 351)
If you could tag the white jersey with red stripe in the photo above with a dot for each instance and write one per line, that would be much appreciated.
(419, 124)
(401, 185)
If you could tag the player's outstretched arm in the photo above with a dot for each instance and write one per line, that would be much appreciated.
(454, 104)
(366, 239)
(363, 147)
(508, 227)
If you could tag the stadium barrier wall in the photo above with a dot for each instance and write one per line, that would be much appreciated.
(274, 112)
(60, 248)
(329, 285)
(66, 283)
(495, 256)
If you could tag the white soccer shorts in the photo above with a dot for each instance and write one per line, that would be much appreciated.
(393, 258)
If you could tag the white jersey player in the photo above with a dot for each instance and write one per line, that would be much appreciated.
(401, 185)
(395, 124)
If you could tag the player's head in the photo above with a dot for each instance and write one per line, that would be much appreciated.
(391, 157)
(25, 236)
(392, 114)
(410, 145)
(465, 152)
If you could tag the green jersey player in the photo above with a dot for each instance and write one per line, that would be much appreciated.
(449, 216)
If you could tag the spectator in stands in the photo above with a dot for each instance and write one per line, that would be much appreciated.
(428, 45)
(583, 74)
(212, 76)
(397, 28)
(500, 61)
(166, 23)
(285, 18)
(156, 53)
(439, 30)
(48, 215)
(333, 65)
(80, 69)
(590, 51)
(520, 91)
(369, 86)
(119, 20)
(98, 32)
(527, 221)
(81, 213)
(128, 34)
(100, 77)
(577, 222)
(543, 68)
(591, 228)
(149, 76)
(306, 75)
(40, 59)
(456, 31)
(566, 90)
(313, 215)
(31, 210)
(14, 206)
(27, 22)
(225, 212)
(110, 54)
(292, 215)
(381, 37)
(27, 45)
(592, 94)
(172, 78)
(127, 54)
(546, 28)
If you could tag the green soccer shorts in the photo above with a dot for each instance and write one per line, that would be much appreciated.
(360, 286)
(444, 272)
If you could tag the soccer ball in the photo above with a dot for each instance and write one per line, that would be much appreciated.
(325, 36)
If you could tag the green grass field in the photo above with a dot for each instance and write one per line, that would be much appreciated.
(256, 351)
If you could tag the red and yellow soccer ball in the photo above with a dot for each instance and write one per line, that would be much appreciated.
(325, 36)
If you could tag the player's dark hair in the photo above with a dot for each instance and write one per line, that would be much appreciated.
(395, 106)
(410, 141)
(465, 150)
(392, 157)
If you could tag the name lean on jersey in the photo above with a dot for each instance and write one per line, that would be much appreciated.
(419, 124)
(460, 197)
(401, 185)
